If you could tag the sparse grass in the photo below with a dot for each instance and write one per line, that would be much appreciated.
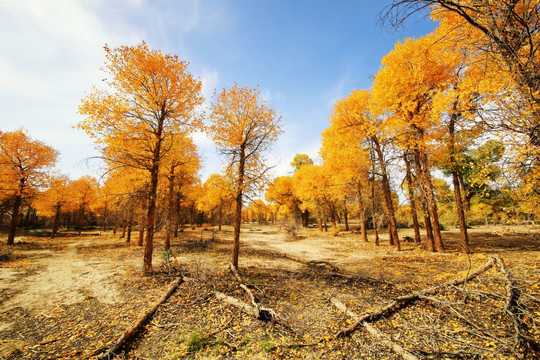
(198, 340)
(267, 346)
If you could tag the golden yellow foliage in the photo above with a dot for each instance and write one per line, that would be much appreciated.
(153, 99)
(25, 165)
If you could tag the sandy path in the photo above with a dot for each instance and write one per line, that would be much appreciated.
(63, 277)
(340, 250)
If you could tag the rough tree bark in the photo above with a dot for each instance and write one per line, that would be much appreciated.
(14, 219)
(238, 212)
(392, 226)
(81, 217)
(56, 221)
(432, 204)
(170, 209)
(412, 201)
(152, 197)
(455, 182)
(362, 213)
(430, 243)
(142, 221)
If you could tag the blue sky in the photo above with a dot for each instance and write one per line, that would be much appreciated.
(303, 55)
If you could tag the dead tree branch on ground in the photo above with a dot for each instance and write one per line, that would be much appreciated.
(255, 309)
(134, 330)
(514, 310)
(383, 338)
(405, 300)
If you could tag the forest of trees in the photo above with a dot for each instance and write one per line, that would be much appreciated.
(446, 136)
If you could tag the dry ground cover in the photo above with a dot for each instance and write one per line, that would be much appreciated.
(72, 297)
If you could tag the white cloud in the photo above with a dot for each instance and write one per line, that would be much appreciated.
(266, 96)
(209, 79)
(337, 92)
(51, 55)
(201, 139)
(52, 52)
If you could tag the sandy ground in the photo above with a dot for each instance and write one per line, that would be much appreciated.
(65, 277)
(75, 272)
(83, 278)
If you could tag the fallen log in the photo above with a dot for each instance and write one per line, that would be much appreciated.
(244, 306)
(134, 330)
(322, 265)
(405, 300)
(383, 338)
(513, 310)
(243, 286)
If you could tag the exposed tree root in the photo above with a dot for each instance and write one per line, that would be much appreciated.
(255, 309)
(330, 269)
(383, 338)
(406, 300)
(243, 286)
(134, 330)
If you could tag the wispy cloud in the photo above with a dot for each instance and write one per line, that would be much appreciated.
(338, 91)
(209, 80)
(51, 55)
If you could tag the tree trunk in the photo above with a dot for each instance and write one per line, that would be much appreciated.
(238, 212)
(461, 214)
(104, 222)
(412, 201)
(373, 218)
(150, 223)
(432, 204)
(56, 221)
(170, 209)
(192, 216)
(81, 217)
(124, 228)
(177, 200)
(466, 196)
(333, 218)
(305, 218)
(376, 231)
(130, 225)
(346, 218)
(14, 219)
(430, 242)
(392, 227)
(362, 213)
(152, 197)
(27, 218)
(68, 220)
(176, 226)
(141, 230)
(457, 192)
(220, 216)
(200, 218)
